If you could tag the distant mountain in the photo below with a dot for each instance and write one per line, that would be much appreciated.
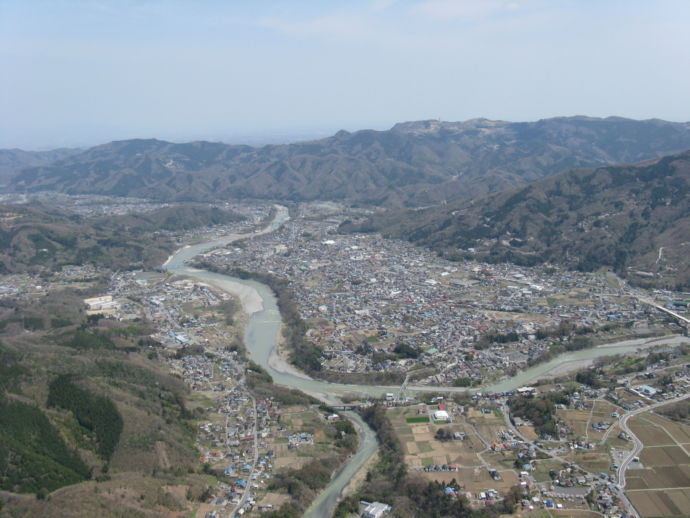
(14, 160)
(632, 218)
(412, 164)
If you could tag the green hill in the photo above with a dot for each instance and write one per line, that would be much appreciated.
(44, 238)
(634, 219)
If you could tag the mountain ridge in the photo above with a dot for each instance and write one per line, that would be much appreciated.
(632, 218)
(412, 164)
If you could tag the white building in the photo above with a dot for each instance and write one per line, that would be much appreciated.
(441, 415)
(376, 510)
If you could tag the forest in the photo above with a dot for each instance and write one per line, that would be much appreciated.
(33, 456)
(95, 413)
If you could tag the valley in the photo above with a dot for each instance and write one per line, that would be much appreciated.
(286, 344)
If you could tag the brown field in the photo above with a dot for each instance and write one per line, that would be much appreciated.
(576, 513)
(604, 409)
(659, 478)
(569, 513)
(576, 420)
(596, 462)
(422, 449)
(293, 462)
(678, 431)
(664, 456)
(672, 503)
(529, 433)
(475, 479)
(651, 435)
(276, 499)
(662, 488)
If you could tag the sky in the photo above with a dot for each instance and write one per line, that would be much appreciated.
(85, 72)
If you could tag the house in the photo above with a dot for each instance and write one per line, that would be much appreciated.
(375, 510)
(647, 390)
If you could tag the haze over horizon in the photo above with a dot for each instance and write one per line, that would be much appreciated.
(80, 73)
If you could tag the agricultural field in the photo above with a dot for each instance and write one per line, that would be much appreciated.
(580, 421)
(570, 513)
(295, 420)
(662, 486)
(470, 456)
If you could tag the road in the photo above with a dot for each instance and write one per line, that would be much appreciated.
(247, 490)
(665, 310)
(623, 421)
(637, 443)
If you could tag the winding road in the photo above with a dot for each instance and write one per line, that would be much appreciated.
(623, 422)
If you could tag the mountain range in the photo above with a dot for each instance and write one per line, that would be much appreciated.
(14, 160)
(634, 219)
(413, 164)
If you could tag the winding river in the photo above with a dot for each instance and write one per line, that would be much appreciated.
(261, 338)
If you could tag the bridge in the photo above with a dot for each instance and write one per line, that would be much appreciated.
(344, 407)
(685, 322)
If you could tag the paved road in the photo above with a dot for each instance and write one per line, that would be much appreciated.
(637, 443)
(247, 490)
(562, 460)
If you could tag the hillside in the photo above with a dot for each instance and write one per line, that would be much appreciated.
(632, 218)
(83, 401)
(412, 164)
(14, 160)
(33, 239)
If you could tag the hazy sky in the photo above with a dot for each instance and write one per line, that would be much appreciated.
(77, 73)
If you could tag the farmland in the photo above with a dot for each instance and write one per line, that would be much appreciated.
(661, 487)
(466, 459)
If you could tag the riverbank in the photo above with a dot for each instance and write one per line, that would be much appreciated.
(570, 366)
(279, 359)
(250, 299)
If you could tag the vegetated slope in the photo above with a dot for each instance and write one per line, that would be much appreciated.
(80, 398)
(33, 455)
(40, 237)
(632, 218)
(14, 160)
(415, 163)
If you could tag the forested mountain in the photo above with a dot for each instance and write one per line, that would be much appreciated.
(412, 164)
(37, 238)
(632, 218)
(14, 160)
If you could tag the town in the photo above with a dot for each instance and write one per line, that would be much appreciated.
(379, 305)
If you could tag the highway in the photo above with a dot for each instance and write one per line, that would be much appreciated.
(665, 310)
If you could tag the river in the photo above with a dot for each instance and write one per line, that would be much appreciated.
(261, 338)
